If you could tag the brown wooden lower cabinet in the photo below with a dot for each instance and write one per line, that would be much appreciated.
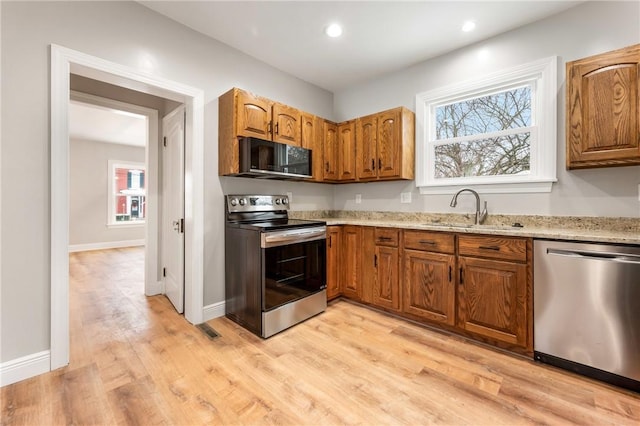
(429, 286)
(476, 285)
(351, 261)
(333, 261)
(492, 299)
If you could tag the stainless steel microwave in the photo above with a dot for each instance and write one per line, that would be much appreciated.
(260, 158)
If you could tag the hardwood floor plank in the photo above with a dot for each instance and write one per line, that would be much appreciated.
(134, 360)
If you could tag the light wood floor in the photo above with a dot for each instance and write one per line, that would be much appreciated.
(135, 361)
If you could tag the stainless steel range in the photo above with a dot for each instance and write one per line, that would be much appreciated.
(275, 266)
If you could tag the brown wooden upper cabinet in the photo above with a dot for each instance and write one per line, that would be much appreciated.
(330, 151)
(311, 138)
(385, 145)
(244, 114)
(347, 151)
(603, 124)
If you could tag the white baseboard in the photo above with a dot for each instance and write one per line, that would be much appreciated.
(215, 310)
(24, 368)
(106, 245)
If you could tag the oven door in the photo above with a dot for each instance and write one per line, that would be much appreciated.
(293, 269)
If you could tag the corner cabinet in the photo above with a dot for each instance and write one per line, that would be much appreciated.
(385, 145)
(603, 120)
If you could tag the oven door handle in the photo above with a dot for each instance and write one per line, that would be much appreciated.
(282, 238)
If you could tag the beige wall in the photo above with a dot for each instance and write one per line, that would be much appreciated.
(584, 30)
(88, 192)
(132, 35)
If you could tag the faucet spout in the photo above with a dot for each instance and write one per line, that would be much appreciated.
(480, 215)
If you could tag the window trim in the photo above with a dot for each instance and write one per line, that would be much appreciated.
(543, 155)
(113, 165)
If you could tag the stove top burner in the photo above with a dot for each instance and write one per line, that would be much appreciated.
(274, 225)
(264, 213)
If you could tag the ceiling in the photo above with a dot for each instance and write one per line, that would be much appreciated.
(100, 124)
(379, 36)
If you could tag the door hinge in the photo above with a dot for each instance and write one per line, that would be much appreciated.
(164, 141)
(164, 272)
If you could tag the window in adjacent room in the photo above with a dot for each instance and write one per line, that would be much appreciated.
(497, 133)
(127, 195)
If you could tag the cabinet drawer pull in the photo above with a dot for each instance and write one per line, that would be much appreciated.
(379, 163)
(326, 167)
(329, 241)
(373, 164)
(277, 128)
(375, 260)
(269, 127)
(385, 239)
(431, 243)
(494, 248)
(450, 273)
(461, 277)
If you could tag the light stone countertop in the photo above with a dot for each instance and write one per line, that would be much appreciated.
(575, 228)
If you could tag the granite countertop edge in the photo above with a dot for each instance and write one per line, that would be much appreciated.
(584, 229)
(540, 233)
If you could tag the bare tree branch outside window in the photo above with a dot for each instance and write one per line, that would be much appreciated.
(482, 152)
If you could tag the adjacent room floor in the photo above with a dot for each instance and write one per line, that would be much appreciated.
(134, 360)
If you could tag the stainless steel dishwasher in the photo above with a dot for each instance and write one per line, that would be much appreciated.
(587, 309)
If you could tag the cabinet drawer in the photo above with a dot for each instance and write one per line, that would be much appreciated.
(429, 241)
(387, 237)
(504, 248)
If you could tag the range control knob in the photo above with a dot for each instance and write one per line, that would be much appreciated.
(242, 201)
(234, 202)
(277, 200)
(285, 201)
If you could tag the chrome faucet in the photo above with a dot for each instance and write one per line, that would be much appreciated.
(480, 216)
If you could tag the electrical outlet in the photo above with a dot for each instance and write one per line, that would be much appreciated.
(290, 196)
(405, 197)
(358, 198)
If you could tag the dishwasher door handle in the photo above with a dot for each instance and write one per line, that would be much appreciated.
(597, 255)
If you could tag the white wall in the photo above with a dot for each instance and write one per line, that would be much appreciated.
(129, 34)
(89, 193)
(587, 29)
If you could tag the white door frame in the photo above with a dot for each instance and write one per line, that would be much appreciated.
(63, 62)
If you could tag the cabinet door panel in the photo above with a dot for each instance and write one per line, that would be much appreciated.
(389, 143)
(492, 299)
(347, 151)
(330, 151)
(351, 261)
(286, 127)
(386, 288)
(366, 147)
(333, 262)
(253, 115)
(429, 286)
(603, 123)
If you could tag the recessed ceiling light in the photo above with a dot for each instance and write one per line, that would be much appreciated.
(468, 26)
(333, 30)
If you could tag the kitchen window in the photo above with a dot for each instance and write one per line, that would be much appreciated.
(496, 133)
(127, 194)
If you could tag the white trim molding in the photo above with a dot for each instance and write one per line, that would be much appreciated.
(64, 61)
(105, 246)
(215, 310)
(24, 367)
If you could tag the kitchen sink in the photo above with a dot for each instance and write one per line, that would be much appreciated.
(470, 225)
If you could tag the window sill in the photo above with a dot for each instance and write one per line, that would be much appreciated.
(126, 224)
(525, 187)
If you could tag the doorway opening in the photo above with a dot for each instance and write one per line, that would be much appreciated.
(64, 63)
